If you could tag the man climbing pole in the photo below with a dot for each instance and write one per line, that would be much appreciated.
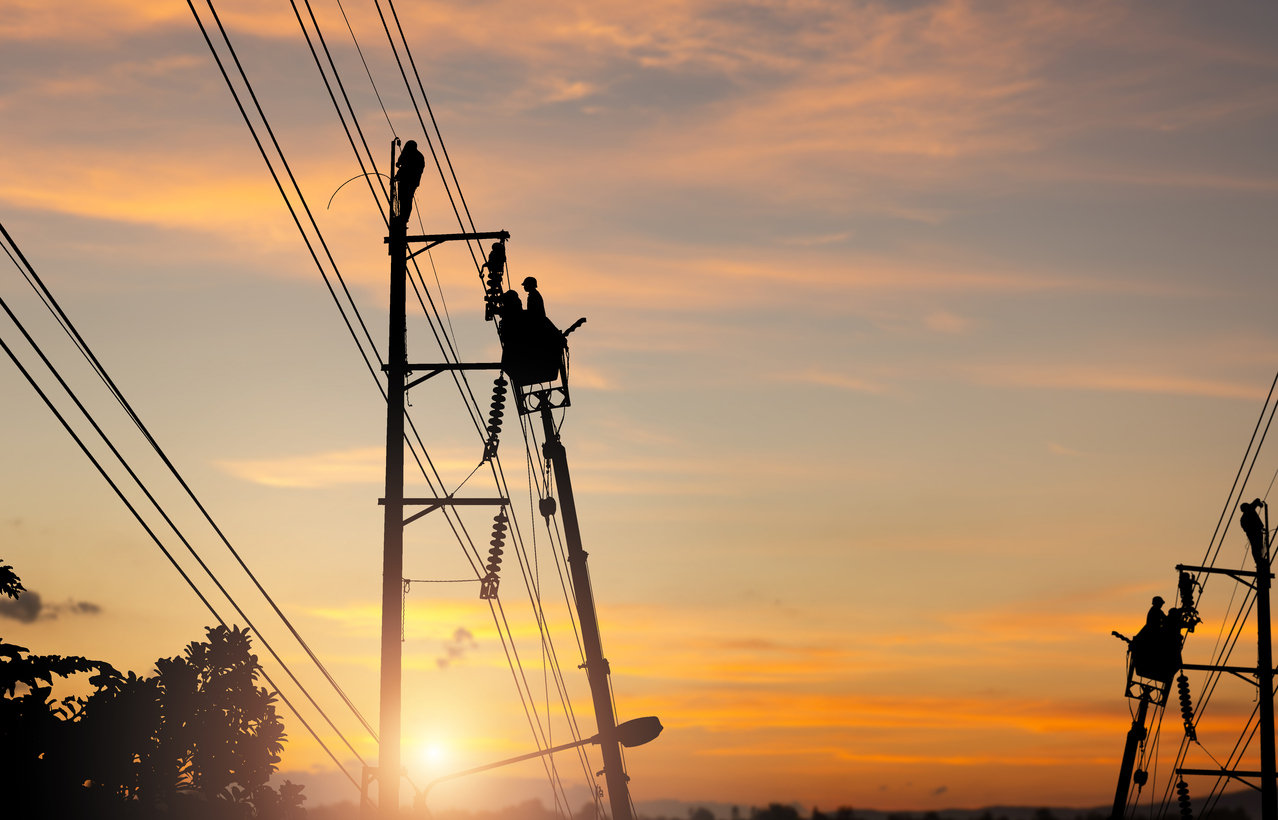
(1254, 527)
(411, 163)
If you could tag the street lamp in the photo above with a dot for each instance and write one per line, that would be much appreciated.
(629, 734)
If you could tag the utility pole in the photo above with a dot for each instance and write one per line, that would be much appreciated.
(597, 670)
(1258, 535)
(388, 762)
(1265, 672)
(397, 369)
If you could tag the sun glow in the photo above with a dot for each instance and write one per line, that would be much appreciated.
(434, 754)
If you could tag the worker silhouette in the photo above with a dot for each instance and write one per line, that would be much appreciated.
(1155, 618)
(1254, 527)
(536, 307)
(1156, 647)
(497, 259)
(411, 163)
(513, 317)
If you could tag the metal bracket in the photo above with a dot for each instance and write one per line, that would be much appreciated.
(1156, 695)
(1240, 672)
(1236, 775)
(1239, 575)
(432, 504)
(439, 238)
(437, 368)
(534, 401)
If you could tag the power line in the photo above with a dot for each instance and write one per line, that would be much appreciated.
(64, 320)
(102, 471)
(446, 349)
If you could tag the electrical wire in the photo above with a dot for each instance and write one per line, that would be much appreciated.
(82, 346)
(146, 527)
(458, 525)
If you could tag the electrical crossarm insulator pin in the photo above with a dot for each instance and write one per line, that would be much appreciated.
(1187, 708)
(1182, 797)
(495, 417)
(547, 506)
(488, 586)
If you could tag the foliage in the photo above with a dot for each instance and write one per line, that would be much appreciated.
(9, 583)
(199, 739)
(775, 811)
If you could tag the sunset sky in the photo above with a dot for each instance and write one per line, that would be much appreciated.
(924, 339)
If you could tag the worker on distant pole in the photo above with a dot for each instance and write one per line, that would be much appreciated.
(411, 163)
(536, 307)
(1254, 527)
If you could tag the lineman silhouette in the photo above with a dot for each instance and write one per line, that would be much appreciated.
(497, 258)
(1155, 617)
(536, 307)
(411, 163)
(1254, 527)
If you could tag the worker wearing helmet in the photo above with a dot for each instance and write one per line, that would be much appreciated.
(1154, 619)
(536, 307)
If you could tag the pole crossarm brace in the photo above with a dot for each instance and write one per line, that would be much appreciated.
(1239, 575)
(433, 504)
(436, 369)
(1238, 671)
(451, 502)
(440, 238)
(1238, 775)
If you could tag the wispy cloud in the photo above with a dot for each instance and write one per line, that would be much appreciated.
(942, 321)
(1108, 379)
(361, 465)
(30, 607)
(840, 380)
(1061, 450)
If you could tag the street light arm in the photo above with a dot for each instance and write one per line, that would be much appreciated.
(499, 763)
(634, 732)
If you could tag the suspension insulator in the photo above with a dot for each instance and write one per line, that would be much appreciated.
(495, 417)
(1187, 708)
(488, 586)
(492, 296)
(1182, 797)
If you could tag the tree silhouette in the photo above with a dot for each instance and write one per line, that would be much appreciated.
(199, 739)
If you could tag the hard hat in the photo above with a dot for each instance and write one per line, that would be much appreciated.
(529, 281)
(1157, 601)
